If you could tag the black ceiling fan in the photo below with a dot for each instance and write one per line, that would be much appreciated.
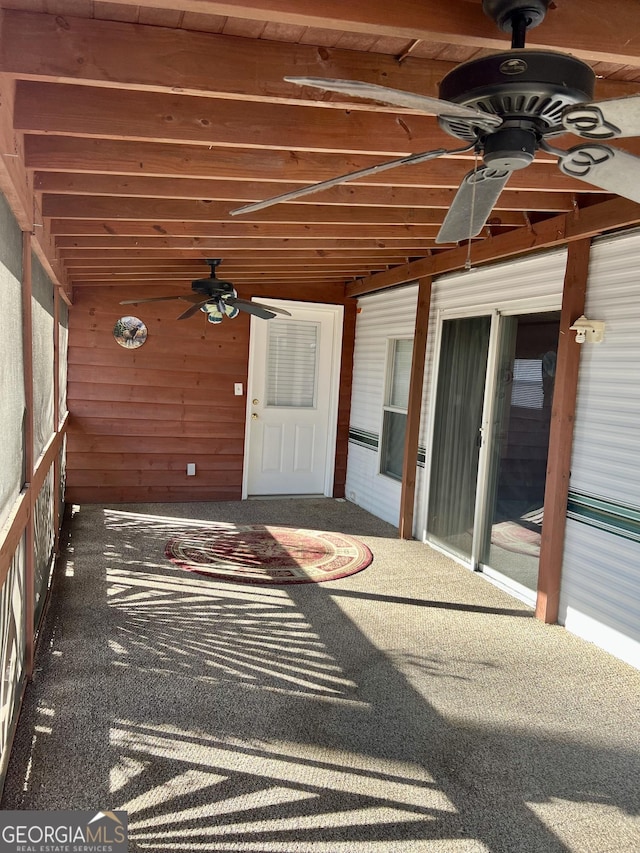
(216, 298)
(505, 107)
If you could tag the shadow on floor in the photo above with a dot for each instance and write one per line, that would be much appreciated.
(408, 707)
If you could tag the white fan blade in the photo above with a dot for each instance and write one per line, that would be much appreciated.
(473, 203)
(398, 98)
(608, 168)
(412, 159)
(605, 119)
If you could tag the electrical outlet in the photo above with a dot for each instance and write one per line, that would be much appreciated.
(191, 469)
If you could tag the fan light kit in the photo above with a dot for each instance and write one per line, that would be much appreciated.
(505, 108)
(216, 298)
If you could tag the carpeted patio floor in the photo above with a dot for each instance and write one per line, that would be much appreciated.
(409, 707)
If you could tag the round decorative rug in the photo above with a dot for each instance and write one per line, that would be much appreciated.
(517, 538)
(255, 553)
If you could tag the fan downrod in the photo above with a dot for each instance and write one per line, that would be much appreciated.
(516, 16)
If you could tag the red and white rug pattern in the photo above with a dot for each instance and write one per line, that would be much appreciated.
(261, 554)
(516, 538)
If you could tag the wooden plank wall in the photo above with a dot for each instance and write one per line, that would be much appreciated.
(138, 416)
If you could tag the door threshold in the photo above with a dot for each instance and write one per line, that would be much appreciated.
(510, 586)
(284, 497)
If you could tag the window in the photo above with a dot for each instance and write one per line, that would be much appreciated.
(292, 364)
(394, 417)
(528, 390)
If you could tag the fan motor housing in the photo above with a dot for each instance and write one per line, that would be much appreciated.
(523, 85)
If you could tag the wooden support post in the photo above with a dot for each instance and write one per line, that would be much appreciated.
(561, 434)
(29, 460)
(57, 473)
(412, 434)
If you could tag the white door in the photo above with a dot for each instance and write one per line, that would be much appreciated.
(294, 365)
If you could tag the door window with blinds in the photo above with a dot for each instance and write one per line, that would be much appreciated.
(292, 364)
(394, 417)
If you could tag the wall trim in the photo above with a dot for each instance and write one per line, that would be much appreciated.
(611, 516)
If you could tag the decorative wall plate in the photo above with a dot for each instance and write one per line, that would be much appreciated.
(130, 332)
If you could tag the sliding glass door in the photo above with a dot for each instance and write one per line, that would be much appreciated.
(457, 432)
(490, 441)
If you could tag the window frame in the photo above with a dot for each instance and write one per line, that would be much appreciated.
(388, 407)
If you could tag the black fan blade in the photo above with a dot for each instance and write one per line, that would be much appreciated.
(608, 168)
(412, 159)
(398, 98)
(605, 119)
(473, 203)
(193, 309)
(239, 303)
(265, 312)
(186, 296)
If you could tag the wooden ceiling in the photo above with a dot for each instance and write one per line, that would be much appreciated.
(131, 129)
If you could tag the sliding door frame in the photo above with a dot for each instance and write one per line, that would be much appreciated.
(488, 426)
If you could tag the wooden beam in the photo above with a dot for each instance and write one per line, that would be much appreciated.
(563, 412)
(152, 117)
(86, 111)
(240, 277)
(19, 518)
(190, 210)
(124, 55)
(106, 156)
(29, 459)
(75, 258)
(357, 194)
(57, 468)
(12, 532)
(412, 434)
(149, 58)
(139, 246)
(456, 22)
(15, 184)
(556, 231)
(302, 233)
(134, 266)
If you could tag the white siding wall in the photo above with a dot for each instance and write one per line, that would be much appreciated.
(533, 283)
(381, 316)
(600, 597)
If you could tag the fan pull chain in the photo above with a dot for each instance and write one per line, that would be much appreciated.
(467, 263)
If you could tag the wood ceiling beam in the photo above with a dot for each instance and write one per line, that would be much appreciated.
(140, 246)
(558, 230)
(179, 259)
(181, 210)
(87, 111)
(579, 27)
(240, 277)
(235, 230)
(65, 183)
(120, 55)
(16, 186)
(154, 267)
(123, 55)
(113, 54)
(103, 156)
